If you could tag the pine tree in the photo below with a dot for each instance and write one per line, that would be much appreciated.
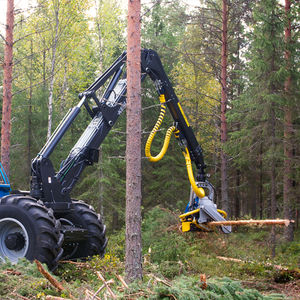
(259, 107)
(7, 88)
(133, 258)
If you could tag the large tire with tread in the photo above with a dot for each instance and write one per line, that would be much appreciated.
(35, 227)
(84, 216)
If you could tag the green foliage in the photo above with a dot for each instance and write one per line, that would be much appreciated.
(157, 239)
(189, 288)
(25, 280)
(182, 271)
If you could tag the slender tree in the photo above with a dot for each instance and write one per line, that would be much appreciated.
(133, 260)
(7, 88)
(56, 11)
(224, 173)
(288, 130)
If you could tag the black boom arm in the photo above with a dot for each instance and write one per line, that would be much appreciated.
(54, 188)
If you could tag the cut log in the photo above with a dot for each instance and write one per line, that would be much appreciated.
(251, 222)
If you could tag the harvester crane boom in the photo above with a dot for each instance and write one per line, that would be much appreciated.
(46, 224)
(104, 115)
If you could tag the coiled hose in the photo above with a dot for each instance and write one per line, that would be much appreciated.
(154, 131)
(198, 191)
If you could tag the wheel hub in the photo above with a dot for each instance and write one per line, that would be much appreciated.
(15, 241)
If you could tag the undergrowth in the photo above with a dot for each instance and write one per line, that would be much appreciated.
(172, 264)
(24, 280)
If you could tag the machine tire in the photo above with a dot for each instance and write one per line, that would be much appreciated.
(84, 216)
(41, 233)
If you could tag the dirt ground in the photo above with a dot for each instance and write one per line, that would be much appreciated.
(290, 289)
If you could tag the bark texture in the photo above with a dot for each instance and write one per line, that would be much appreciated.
(224, 180)
(7, 88)
(288, 133)
(133, 259)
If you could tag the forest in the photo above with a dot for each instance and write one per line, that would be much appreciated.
(234, 65)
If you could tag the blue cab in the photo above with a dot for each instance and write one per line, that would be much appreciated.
(4, 182)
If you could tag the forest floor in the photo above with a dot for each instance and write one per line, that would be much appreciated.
(176, 266)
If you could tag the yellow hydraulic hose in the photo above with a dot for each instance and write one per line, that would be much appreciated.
(222, 212)
(198, 190)
(154, 131)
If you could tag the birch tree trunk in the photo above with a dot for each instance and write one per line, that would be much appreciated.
(288, 132)
(7, 88)
(100, 41)
(52, 77)
(29, 135)
(224, 179)
(133, 259)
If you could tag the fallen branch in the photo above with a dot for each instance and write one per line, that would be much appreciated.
(90, 295)
(231, 259)
(277, 267)
(160, 280)
(51, 279)
(12, 272)
(122, 281)
(19, 296)
(251, 222)
(49, 297)
(106, 284)
(77, 263)
(135, 295)
(101, 288)
(94, 296)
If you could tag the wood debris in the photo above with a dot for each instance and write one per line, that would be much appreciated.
(89, 295)
(12, 272)
(51, 279)
(113, 296)
(203, 281)
(19, 296)
(76, 263)
(122, 281)
(49, 297)
(161, 280)
(278, 267)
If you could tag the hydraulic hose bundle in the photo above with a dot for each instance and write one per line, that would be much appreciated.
(154, 131)
(198, 190)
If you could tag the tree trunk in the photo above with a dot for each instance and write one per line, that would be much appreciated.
(29, 139)
(288, 132)
(7, 88)
(98, 5)
(237, 194)
(101, 189)
(52, 78)
(133, 259)
(261, 199)
(44, 64)
(273, 180)
(224, 179)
